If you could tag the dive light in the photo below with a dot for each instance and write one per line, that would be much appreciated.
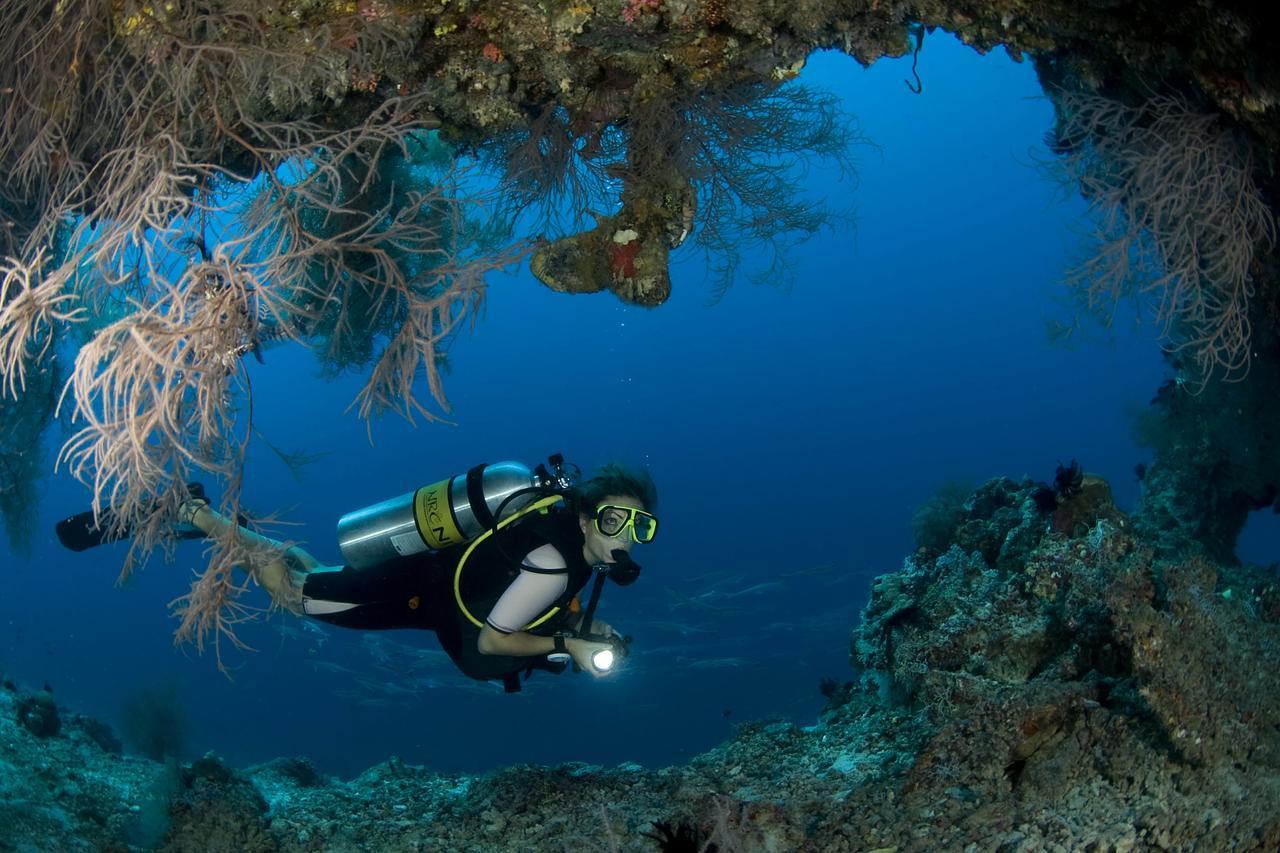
(602, 660)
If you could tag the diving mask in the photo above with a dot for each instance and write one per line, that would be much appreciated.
(613, 521)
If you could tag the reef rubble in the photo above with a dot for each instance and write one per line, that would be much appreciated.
(1020, 684)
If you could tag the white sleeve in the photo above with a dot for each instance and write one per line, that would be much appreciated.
(543, 578)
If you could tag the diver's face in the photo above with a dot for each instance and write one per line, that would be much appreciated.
(598, 546)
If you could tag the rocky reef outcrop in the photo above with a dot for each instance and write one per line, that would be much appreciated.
(1075, 688)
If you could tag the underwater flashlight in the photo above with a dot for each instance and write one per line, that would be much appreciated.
(602, 660)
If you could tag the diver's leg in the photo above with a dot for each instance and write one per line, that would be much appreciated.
(282, 576)
(400, 593)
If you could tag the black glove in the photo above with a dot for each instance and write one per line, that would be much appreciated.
(623, 570)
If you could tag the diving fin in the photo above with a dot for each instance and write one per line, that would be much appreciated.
(81, 532)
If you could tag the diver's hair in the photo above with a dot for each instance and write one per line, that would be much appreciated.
(615, 479)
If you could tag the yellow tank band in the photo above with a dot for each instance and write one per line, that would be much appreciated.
(432, 514)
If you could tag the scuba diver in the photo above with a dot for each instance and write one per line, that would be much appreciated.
(495, 561)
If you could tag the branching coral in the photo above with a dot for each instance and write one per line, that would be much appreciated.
(730, 155)
(167, 169)
(1180, 218)
(723, 167)
(718, 164)
(155, 393)
(32, 307)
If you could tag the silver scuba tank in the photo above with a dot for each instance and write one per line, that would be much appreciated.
(446, 513)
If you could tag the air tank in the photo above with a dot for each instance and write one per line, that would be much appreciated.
(433, 517)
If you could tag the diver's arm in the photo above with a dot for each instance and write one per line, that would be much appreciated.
(533, 591)
(541, 582)
(543, 578)
(517, 643)
(524, 644)
(282, 575)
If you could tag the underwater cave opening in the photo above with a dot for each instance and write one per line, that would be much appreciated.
(792, 432)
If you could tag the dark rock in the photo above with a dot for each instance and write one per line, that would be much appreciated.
(300, 770)
(99, 733)
(38, 714)
(218, 809)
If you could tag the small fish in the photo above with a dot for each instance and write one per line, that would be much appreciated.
(725, 577)
(712, 663)
(387, 688)
(758, 589)
(702, 601)
(676, 627)
(663, 651)
(330, 666)
(821, 569)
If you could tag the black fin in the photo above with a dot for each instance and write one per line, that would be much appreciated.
(81, 532)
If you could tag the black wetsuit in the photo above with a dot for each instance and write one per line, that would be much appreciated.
(417, 591)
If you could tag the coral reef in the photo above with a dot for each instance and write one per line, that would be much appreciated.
(38, 714)
(1215, 460)
(1026, 688)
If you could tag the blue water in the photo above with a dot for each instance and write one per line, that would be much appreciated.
(792, 434)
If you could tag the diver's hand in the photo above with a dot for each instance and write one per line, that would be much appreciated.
(598, 628)
(581, 650)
